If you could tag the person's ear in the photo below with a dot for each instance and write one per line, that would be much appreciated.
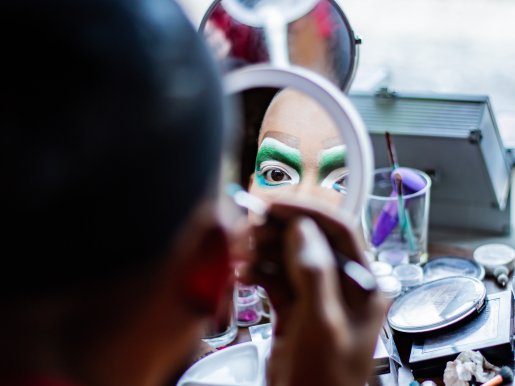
(207, 277)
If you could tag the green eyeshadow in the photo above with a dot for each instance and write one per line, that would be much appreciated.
(273, 150)
(330, 160)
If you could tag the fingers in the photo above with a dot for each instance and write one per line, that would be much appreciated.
(295, 253)
(338, 233)
(310, 263)
(342, 241)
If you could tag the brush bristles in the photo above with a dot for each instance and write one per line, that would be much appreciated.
(507, 374)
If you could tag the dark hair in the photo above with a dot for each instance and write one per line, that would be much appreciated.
(110, 134)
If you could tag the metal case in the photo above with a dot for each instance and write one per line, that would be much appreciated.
(455, 140)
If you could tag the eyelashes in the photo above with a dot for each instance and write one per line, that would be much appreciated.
(273, 173)
(338, 180)
(276, 173)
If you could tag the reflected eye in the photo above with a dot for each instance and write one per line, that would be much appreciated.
(275, 173)
(338, 180)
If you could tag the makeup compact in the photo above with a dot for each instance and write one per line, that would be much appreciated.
(437, 304)
(490, 332)
(445, 266)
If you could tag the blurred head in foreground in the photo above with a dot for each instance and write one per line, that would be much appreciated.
(110, 136)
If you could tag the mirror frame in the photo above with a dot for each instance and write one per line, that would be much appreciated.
(338, 107)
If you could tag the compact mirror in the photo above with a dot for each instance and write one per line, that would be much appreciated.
(308, 33)
(300, 137)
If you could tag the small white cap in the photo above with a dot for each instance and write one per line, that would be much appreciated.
(394, 256)
(409, 275)
(390, 286)
(493, 255)
(380, 268)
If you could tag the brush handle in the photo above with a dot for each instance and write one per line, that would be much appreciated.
(411, 181)
(386, 222)
(497, 380)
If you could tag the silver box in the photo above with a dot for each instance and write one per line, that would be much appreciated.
(453, 138)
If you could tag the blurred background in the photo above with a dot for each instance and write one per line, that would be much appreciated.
(445, 46)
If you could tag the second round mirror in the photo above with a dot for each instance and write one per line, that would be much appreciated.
(322, 41)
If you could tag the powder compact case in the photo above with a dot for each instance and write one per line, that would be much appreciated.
(437, 304)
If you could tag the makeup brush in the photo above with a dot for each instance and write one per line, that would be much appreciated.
(404, 219)
(504, 376)
(392, 156)
(390, 216)
(356, 272)
(411, 181)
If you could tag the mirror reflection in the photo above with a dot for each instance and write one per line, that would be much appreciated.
(291, 146)
(322, 40)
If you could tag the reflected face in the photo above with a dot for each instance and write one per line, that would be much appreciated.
(300, 151)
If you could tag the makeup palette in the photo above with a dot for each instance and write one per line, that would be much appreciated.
(446, 266)
(437, 304)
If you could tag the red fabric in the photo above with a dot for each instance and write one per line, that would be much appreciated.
(246, 41)
(322, 14)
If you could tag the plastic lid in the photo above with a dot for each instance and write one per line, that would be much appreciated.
(390, 286)
(437, 304)
(493, 255)
(393, 256)
(409, 275)
(380, 268)
(446, 266)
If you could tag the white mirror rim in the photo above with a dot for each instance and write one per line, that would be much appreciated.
(340, 109)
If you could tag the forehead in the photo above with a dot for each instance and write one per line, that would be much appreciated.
(296, 118)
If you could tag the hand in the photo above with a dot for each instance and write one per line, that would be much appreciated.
(327, 327)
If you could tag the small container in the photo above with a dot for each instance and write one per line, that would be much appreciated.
(445, 266)
(265, 302)
(248, 306)
(390, 286)
(492, 256)
(380, 268)
(393, 257)
(410, 275)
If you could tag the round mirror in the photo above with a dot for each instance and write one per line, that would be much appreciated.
(322, 40)
(300, 137)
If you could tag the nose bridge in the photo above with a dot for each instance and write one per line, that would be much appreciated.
(309, 184)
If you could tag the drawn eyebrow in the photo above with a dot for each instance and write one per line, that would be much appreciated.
(331, 159)
(287, 139)
(272, 149)
(332, 142)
